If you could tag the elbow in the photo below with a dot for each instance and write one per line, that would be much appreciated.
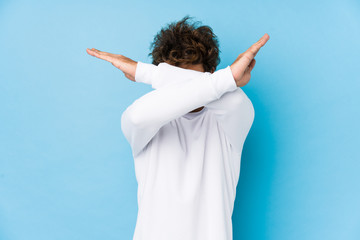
(238, 97)
(131, 119)
(130, 126)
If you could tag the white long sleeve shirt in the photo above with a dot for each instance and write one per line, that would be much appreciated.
(187, 165)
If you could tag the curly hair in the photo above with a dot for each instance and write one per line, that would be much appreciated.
(183, 43)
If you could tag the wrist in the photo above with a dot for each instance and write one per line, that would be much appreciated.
(127, 65)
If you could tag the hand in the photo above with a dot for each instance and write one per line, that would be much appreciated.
(245, 62)
(127, 65)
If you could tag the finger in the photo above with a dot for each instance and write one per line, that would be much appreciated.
(92, 52)
(252, 64)
(99, 53)
(253, 50)
(250, 67)
(102, 55)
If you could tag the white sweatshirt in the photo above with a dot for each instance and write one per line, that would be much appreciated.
(187, 165)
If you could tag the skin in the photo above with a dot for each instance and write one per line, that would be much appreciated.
(241, 68)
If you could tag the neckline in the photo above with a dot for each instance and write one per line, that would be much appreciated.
(193, 114)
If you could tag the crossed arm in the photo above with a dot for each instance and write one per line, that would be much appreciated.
(188, 89)
(179, 91)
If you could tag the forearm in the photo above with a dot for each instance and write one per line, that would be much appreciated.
(163, 74)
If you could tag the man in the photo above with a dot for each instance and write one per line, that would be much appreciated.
(187, 134)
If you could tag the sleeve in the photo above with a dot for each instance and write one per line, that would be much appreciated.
(163, 74)
(233, 110)
(146, 115)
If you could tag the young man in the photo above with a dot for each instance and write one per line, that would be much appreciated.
(187, 134)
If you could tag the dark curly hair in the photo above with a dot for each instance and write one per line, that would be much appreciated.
(184, 43)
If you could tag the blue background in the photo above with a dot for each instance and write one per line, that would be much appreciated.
(66, 170)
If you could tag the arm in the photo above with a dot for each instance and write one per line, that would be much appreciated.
(163, 74)
(233, 110)
(203, 89)
(146, 115)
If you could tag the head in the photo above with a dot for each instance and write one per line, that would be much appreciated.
(186, 45)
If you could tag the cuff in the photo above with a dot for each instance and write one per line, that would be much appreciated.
(144, 72)
(224, 81)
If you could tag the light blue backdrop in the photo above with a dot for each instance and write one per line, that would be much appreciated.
(66, 170)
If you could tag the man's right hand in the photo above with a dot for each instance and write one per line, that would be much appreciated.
(125, 64)
(245, 62)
